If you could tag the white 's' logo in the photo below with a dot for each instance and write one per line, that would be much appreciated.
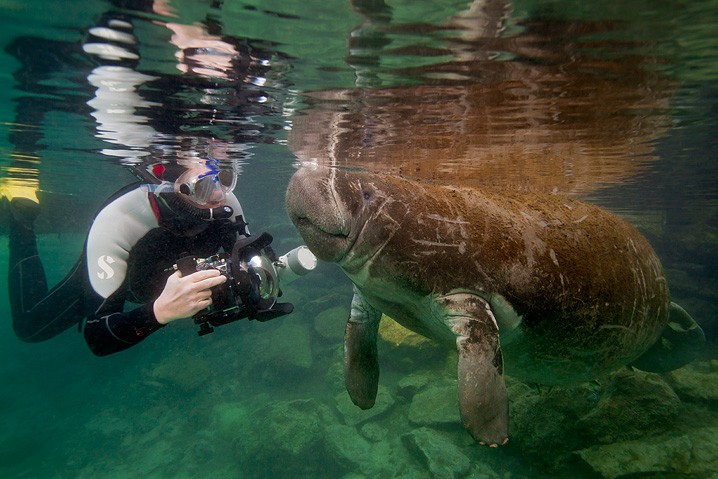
(104, 263)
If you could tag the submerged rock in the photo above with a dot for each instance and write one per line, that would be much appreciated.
(351, 452)
(443, 459)
(690, 455)
(435, 406)
(626, 406)
(635, 404)
(183, 371)
(353, 415)
(285, 351)
(545, 420)
(696, 382)
(410, 385)
(374, 432)
(344, 445)
(330, 323)
(282, 437)
(231, 417)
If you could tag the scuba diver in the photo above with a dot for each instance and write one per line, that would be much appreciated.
(175, 242)
(137, 230)
(131, 255)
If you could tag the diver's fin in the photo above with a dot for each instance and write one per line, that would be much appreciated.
(24, 205)
(681, 341)
(11, 191)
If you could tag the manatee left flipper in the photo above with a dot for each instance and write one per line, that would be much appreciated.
(361, 361)
(483, 400)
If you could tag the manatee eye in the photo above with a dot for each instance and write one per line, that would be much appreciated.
(367, 191)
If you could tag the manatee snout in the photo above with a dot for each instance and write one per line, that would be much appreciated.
(318, 212)
(298, 191)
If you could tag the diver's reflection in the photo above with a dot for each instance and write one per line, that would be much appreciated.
(145, 116)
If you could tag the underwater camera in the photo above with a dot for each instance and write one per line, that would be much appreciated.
(253, 275)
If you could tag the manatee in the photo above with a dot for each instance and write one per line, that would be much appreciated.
(542, 287)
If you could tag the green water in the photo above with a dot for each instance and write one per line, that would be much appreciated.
(611, 102)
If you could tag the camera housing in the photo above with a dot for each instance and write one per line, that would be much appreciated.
(252, 285)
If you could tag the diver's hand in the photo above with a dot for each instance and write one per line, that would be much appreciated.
(184, 296)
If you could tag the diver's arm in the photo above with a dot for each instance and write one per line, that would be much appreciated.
(113, 330)
(182, 297)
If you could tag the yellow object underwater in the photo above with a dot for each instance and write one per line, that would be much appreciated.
(396, 334)
(15, 188)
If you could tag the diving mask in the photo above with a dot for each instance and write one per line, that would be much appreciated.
(206, 188)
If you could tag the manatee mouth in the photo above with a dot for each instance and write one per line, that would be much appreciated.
(304, 223)
(327, 245)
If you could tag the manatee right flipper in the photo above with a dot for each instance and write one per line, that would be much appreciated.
(681, 341)
(483, 400)
(361, 361)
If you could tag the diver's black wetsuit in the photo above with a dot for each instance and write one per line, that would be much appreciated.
(128, 255)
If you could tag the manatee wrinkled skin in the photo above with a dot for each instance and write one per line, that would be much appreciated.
(572, 291)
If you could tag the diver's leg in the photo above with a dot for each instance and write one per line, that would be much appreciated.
(37, 314)
(26, 276)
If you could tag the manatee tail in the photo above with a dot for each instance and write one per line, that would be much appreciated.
(681, 341)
